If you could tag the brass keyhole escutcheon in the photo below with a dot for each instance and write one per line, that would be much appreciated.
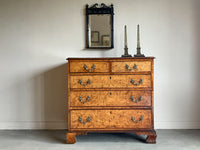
(110, 112)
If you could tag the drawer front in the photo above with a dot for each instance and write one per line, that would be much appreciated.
(113, 119)
(132, 66)
(110, 98)
(95, 81)
(87, 98)
(130, 81)
(111, 81)
(89, 67)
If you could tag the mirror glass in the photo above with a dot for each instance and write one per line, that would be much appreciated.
(100, 30)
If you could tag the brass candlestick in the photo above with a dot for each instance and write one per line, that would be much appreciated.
(125, 44)
(138, 43)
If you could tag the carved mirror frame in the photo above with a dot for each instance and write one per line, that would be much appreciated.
(95, 10)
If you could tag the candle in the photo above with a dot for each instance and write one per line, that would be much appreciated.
(125, 37)
(138, 36)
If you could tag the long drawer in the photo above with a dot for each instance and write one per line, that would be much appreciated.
(113, 119)
(111, 81)
(110, 98)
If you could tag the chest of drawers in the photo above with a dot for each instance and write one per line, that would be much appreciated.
(110, 95)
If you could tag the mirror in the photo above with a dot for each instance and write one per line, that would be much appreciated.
(99, 26)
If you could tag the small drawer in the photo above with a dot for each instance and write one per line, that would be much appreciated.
(131, 66)
(110, 98)
(89, 67)
(111, 81)
(112, 119)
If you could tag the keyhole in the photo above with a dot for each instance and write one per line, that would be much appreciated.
(111, 112)
(110, 77)
(110, 93)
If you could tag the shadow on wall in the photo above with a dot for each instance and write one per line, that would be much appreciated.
(51, 98)
(196, 63)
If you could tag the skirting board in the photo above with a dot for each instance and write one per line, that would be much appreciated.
(34, 125)
(177, 125)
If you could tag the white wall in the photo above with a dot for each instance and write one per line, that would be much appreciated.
(37, 35)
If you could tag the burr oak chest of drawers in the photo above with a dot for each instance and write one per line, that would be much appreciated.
(111, 95)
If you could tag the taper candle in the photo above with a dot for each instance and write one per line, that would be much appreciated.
(138, 36)
(125, 37)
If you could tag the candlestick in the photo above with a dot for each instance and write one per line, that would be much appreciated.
(138, 43)
(125, 37)
(125, 44)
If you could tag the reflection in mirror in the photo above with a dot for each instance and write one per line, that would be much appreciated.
(99, 26)
(100, 30)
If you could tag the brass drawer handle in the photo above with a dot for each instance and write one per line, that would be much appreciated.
(136, 101)
(84, 84)
(130, 69)
(92, 68)
(133, 82)
(87, 120)
(140, 120)
(81, 100)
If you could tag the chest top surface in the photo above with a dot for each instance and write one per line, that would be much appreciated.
(110, 58)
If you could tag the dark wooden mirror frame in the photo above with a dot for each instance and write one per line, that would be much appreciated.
(103, 9)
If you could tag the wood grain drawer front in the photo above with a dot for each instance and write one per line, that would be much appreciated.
(110, 98)
(128, 98)
(130, 81)
(88, 98)
(133, 66)
(89, 66)
(111, 81)
(95, 81)
(113, 119)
